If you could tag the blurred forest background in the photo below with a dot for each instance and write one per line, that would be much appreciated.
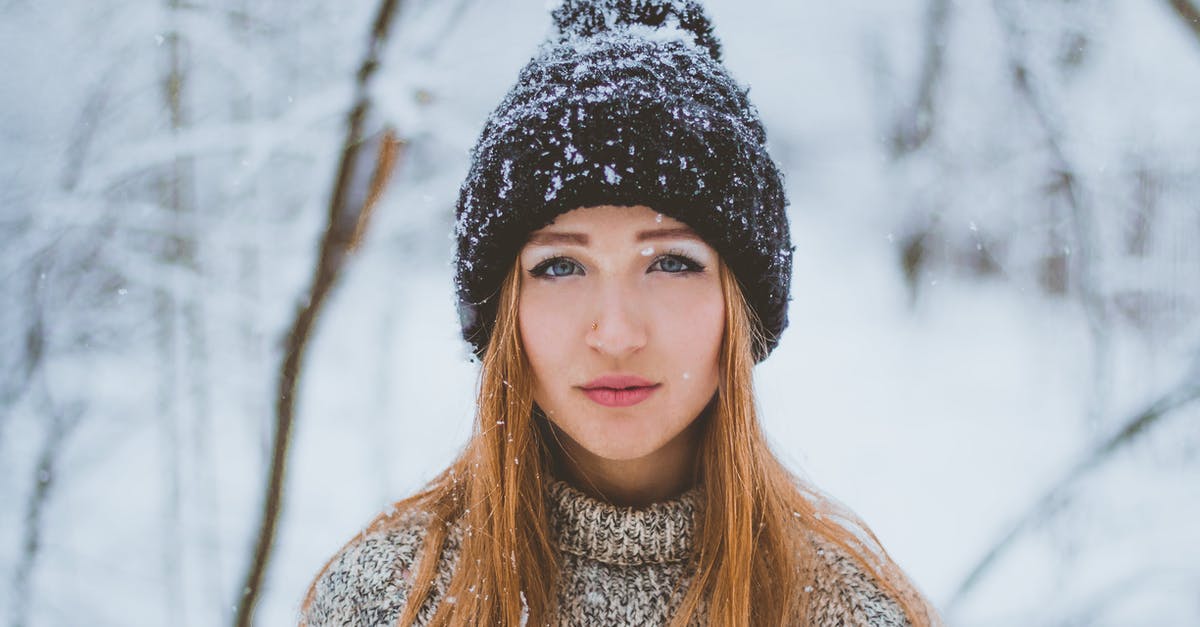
(225, 227)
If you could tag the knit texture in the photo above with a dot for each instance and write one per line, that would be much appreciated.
(628, 105)
(620, 566)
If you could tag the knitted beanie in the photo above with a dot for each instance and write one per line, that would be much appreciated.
(627, 104)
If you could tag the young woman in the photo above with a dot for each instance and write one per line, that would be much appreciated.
(623, 262)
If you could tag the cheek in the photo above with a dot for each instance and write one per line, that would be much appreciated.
(544, 322)
(690, 322)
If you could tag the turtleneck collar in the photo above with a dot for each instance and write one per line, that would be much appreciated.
(624, 536)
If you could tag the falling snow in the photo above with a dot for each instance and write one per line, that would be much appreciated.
(849, 246)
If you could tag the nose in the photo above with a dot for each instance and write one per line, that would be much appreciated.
(620, 327)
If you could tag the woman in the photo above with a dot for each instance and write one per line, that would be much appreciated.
(623, 262)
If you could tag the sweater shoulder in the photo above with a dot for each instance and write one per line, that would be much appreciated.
(846, 593)
(367, 581)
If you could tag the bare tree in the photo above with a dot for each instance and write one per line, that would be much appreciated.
(177, 315)
(912, 126)
(33, 352)
(61, 277)
(1086, 253)
(370, 162)
(1189, 14)
(916, 122)
(1181, 394)
(62, 422)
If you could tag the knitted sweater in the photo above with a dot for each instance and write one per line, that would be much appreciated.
(619, 566)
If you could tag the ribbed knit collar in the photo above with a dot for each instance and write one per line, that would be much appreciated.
(625, 536)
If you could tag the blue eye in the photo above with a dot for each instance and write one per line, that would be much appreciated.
(675, 261)
(680, 264)
(561, 263)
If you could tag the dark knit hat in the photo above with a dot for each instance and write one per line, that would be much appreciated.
(628, 104)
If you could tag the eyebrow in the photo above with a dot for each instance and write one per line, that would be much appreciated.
(581, 239)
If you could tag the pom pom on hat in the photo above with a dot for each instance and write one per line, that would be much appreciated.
(585, 18)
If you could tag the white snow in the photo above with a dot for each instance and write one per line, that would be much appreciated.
(939, 422)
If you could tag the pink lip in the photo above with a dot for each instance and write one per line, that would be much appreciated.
(619, 390)
(617, 381)
(620, 398)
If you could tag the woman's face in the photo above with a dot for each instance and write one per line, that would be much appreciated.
(652, 290)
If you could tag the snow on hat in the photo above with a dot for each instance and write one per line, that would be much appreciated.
(628, 104)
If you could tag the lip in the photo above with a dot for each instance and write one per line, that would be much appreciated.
(617, 381)
(610, 397)
(618, 390)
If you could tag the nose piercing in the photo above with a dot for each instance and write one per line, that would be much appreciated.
(595, 326)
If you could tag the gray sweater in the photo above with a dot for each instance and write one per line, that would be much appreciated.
(619, 567)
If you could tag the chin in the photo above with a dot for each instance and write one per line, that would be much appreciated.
(623, 444)
(622, 451)
(616, 438)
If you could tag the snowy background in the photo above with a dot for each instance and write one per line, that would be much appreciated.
(994, 347)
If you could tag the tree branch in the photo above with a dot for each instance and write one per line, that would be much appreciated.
(62, 423)
(346, 222)
(1066, 181)
(1186, 391)
(1189, 13)
(916, 123)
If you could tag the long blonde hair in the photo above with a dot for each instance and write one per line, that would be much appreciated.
(753, 560)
